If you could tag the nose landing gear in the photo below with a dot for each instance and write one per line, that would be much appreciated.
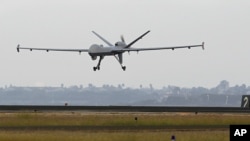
(99, 63)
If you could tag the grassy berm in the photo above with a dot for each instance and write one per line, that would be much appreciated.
(82, 126)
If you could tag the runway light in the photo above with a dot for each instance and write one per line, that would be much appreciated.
(173, 138)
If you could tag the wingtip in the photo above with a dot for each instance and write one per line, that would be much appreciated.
(203, 43)
(17, 48)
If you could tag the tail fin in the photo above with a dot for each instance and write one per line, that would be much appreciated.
(130, 44)
(104, 40)
(245, 101)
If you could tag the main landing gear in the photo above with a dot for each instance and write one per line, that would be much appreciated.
(96, 68)
(119, 59)
(124, 68)
(100, 60)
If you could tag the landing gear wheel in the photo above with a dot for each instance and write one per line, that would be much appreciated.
(96, 68)
(124, 68)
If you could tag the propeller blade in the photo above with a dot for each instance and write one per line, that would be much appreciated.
(122, 39)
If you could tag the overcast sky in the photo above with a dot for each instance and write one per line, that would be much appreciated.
(224, 26)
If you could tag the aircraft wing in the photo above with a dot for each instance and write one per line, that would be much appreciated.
(161, 48)
(51, 49)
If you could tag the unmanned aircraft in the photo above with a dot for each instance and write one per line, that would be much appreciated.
(115, 50)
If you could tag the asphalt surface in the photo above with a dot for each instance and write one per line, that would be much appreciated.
(123, 108)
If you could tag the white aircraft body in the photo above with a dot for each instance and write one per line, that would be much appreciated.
(115, 50)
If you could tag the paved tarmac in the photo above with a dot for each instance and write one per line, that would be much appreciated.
(35, 108)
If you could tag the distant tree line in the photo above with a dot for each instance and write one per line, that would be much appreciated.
(220, 95)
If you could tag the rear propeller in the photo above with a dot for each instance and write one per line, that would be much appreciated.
(122, 39)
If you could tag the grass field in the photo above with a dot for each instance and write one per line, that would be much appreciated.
(75, 126)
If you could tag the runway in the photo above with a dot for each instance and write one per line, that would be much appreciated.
(36, 108)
